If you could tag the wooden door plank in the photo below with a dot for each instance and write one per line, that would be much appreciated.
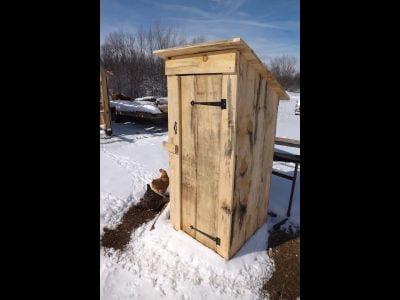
(208, 88)
(189, 155)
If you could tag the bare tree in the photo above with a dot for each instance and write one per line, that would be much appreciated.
(137, 72)
(284, 70)
(197, 40)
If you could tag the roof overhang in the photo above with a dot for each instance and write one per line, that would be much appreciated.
(231, 44)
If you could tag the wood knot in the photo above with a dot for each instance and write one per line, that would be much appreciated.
(205, 58)
(250, 127)
(226, 209)
(243, 167)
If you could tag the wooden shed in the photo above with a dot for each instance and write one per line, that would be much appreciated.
(221, 127)
(105, 113)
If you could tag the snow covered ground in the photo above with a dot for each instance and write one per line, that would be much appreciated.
(167, 264)
(288, 123)
(288, 126)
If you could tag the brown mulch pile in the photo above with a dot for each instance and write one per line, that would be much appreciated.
(118, 238)
(149, 206)
(285, 281)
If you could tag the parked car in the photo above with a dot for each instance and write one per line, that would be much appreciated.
(146, 99)
(297, 108)
(162, 104)
(120, 97)
(145, 108)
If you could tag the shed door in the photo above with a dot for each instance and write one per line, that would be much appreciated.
(201, 134)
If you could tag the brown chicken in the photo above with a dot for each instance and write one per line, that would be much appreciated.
(161, 184)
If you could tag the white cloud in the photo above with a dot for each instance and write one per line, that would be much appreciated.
(183, 8)
(231, 21)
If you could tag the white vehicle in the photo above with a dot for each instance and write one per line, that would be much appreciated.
(147, 99)
(162, 104)
(297, 108)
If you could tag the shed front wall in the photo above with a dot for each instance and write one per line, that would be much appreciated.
(194, 196)
(256, 124)
(247, 129)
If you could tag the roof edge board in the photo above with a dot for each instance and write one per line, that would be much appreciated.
(228, 44)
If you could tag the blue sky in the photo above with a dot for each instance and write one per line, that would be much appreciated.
(270, 27)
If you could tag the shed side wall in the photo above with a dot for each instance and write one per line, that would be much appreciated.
(256, 118)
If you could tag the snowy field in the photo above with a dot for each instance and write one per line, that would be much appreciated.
(167, 264)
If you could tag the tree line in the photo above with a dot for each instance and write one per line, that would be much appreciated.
(134, 70)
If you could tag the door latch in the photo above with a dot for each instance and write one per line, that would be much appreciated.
(176, 128)
(221, 103)
(215, 239)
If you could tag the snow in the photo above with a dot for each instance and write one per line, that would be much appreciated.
(288, 124)
(170, 264)
(135, 106)
(164, 263)
(147, 98)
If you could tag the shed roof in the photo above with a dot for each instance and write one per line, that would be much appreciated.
(230, 44)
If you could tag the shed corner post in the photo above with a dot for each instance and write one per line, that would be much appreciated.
(175, 159)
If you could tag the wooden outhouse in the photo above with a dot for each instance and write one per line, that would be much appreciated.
(221, 127)
(105, 113)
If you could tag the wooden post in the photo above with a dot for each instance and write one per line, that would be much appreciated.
(105, 113)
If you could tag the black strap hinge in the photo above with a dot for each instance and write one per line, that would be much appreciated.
(221, 103)
(215, 239)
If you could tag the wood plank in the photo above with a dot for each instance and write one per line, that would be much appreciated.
(221, 45)
(274, 84)
(214, 62)
(287, 142)
(102, 121)
(105, 115)
(261, 123)
(189, 155)
(171, 148)
(207, 156)
(244, 155)
(227, 161)
(272, 113)
(174, 122)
